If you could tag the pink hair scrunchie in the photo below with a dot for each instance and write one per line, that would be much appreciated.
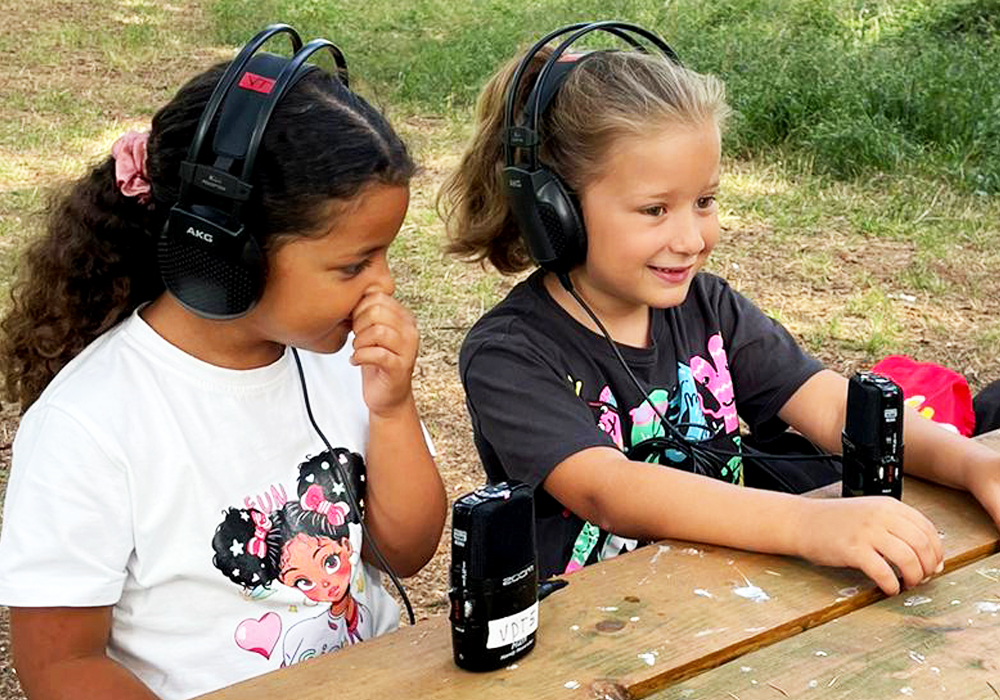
(129, 152)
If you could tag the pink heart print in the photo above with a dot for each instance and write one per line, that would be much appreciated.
(261, 635)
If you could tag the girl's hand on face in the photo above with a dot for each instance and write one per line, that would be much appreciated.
(871, 533)
(385, 347)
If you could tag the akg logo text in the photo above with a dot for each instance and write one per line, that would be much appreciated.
(197, 233)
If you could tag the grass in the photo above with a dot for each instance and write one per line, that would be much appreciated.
(817, 80)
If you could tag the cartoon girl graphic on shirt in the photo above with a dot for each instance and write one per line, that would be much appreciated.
(312, 545)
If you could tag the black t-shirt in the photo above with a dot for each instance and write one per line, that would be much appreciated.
(540, 387)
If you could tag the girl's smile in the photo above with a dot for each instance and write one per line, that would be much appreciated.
(673, 275)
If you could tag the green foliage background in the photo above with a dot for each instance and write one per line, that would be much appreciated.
(840, 87)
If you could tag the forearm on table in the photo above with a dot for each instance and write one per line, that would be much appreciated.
(648, 501)
(934, 453)
(82, 678)
(405, 501)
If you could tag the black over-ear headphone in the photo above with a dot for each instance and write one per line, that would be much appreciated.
(545, 209)
(209, 258)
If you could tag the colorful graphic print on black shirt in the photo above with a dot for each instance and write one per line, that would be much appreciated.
(541, 387)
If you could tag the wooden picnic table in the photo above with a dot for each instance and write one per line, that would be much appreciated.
(941, 640)
(653, 621)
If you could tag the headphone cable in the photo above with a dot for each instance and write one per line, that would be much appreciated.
(350, 494)
(695, 450)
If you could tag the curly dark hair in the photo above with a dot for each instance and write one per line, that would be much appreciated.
(96, 262)
(237, 528)
(230, 544)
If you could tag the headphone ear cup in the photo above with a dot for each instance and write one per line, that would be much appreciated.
(559, 212)
(212, 270)
(549, 217)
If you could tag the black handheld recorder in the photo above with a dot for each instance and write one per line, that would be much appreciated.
(873, 437)
(494, 576)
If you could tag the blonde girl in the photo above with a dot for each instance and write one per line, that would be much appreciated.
(634, 139)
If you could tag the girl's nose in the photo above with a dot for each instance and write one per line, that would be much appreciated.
(382, 276)
(687, 238)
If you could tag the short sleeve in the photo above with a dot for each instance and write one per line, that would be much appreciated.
(67, 528)
(526, 411)
(766, 363)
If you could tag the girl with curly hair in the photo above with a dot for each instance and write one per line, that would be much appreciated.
(146, 417)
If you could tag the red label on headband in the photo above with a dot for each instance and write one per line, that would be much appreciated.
(257, 83)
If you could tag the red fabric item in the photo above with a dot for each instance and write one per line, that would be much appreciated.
(936, 392)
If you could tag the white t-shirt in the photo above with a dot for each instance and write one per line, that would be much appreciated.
(123, 473)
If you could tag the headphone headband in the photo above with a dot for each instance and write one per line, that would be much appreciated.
(209, 260)
(525, 135)
(229, 77)
(233, 143)
(283, 83)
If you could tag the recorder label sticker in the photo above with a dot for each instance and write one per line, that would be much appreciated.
(513, 628)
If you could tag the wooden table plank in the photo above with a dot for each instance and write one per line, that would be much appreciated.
(941, 640)
(632, 625)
